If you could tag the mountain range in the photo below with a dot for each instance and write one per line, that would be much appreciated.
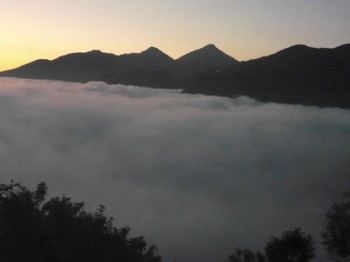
(295, 75)
(151, 68)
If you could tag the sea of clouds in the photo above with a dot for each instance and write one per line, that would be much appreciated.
(196, 175)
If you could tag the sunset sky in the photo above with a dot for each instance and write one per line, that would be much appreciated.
(33, 29)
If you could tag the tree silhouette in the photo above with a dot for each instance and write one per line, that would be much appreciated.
(336, 234)
(246, 255)
(60, 230)
(293, 246)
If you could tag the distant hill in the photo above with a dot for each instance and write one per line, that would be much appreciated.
(76, 67)
(296, 75)
(151, 68)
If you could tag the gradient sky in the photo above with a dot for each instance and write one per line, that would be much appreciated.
(33, 29)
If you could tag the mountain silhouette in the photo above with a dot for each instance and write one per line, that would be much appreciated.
(143, 77)
(157, 57)
(150, 59)
(296, 75)
(76, 67)
(151, 68)
(206, 58)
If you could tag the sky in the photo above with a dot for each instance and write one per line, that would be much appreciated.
(196, 175)
(244, 29)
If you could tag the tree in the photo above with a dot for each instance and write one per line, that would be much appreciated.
(293, 246)
(20, 222)
(246, 255)
(60, 230)
(336, 234)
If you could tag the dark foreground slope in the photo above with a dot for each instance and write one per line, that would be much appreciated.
(296, 75)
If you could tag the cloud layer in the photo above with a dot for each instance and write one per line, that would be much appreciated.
(197, 175)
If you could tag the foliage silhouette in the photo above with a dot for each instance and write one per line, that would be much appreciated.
(336, 234)
(61, 230)
(246, 255)
(293, 246)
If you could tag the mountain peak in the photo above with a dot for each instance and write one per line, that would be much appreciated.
(152, 50)
(208, 57)
(156, 54)
(210, 46)
(296, 51)
(208, 51)
(95, 51)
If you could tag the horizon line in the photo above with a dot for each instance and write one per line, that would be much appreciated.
(154, 46)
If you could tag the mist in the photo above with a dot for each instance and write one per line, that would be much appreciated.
(196, 175)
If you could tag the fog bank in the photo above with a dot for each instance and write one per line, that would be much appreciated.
(196, 175)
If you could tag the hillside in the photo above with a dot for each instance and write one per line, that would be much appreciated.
(296, 75)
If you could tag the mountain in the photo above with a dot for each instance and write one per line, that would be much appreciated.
(150, 59)
(296, 75)
(151, 67)
(76, 67)
(206, 58)
(153, 58)
(163, 79)
(32, 70)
